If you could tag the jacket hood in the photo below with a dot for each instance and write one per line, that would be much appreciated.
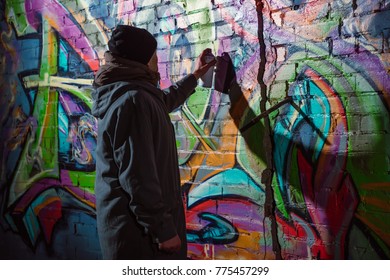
(103, 97)
(117, 76)
(117, 69)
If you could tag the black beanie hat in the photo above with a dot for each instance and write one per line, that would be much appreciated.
(132, 43)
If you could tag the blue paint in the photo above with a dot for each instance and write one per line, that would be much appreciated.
(29, 52)
(314, 104)
(218, 231)
(62, 58)
(70, 63)
(64, 148)
(232, 182)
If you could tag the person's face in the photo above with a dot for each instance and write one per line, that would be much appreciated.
(153, 62)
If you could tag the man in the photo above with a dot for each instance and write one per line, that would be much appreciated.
(139, 204)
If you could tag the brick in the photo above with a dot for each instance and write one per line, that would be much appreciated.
(318, 31)
(342, 85)
(277, 92)
(144, 16)
(350, 27)
(297, 51)
(286, 73)
(100, 11)
(375, 24)
(191, 36)
(339, 10)
(276, 5)
(125, 7)
(207, 33)
(224, 31)
(228, 13)
(277, 17)
(70, 5)
(364, 6)
(80, 16)
(363, 86)
(168, 11)
(318, 50)
(290, 18)
(374, 123)
(194, 5)
(231, 44)
(199, 18)
(216, 16)
(146, 3)
(316, 11)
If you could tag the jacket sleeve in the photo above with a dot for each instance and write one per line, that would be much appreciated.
(177, 93)
(134, 155)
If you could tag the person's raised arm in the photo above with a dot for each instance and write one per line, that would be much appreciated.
(176, 94)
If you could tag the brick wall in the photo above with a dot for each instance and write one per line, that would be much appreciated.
(310, 180)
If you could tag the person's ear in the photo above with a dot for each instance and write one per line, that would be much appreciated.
(152, 64)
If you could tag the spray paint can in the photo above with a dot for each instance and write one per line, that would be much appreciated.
(206, 80)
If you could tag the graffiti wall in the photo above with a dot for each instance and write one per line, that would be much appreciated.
(307, 179)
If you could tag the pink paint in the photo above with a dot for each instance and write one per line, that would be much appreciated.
(40, 186)
(61, 20)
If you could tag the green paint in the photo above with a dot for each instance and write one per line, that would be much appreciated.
(250, 151)
(356, 105)
(297, 197)
(199, 131)
(83, 180)
(16, 14)
(42, 147)
(197, 103)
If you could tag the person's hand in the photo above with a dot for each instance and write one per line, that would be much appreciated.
(201, 66)
(172, 245)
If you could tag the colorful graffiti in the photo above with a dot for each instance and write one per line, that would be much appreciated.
(310, 180)
(51, 166)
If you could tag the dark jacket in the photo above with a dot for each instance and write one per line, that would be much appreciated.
(138, 195)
